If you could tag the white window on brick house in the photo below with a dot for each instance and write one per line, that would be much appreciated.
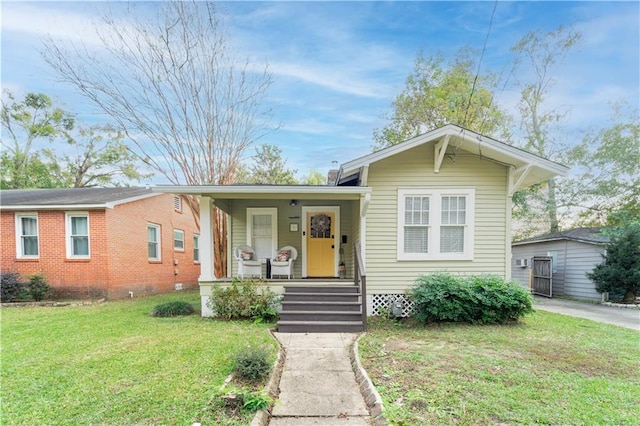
(178, 239)
(196, 248)
(27, 245)
(435, 224)
(177, 203)
(153, 242)
(77, 234)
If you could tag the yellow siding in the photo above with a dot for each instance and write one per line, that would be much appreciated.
(414, 169)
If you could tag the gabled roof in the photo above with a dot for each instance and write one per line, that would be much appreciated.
(528, 168)
(83, 198)
(585, 235)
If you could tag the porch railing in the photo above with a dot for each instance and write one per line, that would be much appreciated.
(360, 280)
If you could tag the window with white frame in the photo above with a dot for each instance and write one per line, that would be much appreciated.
(416, 224)
(77, 230)
(435, 224)
(153, 241)
(196, 248)
(262, 231)
(178, 239)
(27, 235)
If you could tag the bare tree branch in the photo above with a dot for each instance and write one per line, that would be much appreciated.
(175, 85)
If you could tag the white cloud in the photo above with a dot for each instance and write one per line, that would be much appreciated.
(42, 19)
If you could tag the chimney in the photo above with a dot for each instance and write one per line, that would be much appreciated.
(332, 176)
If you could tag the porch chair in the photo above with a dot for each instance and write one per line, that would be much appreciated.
(282, 263)
(247, 262)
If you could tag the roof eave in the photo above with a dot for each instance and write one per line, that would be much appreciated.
(547, 240)
(517, 155)
(283, 191)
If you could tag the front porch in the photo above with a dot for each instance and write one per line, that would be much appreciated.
(320, 224)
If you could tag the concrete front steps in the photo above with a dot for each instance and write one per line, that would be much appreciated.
(321, 308)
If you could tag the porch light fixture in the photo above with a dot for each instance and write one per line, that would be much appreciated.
(293, 203)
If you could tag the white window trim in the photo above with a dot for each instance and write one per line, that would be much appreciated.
(159, 242)
(196, 236)
(435, 218)
(273, 211)
(18, 217)
(67, 221)
(174, 240)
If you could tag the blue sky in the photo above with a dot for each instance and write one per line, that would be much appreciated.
(339, 65)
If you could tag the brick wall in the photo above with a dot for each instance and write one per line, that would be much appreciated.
(131, 269)
(70, 278)
(118, 260)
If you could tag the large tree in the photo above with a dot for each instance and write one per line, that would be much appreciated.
(24, 123)
(438, 93)
(101, 158)
(538, 54)
(606, 178)
(268, 167)
(174, 83)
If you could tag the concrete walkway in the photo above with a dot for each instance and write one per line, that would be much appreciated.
(318, 385)
(623, 317)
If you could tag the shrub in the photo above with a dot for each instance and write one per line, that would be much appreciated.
(252, 364)
(11, 287)
(476, 299)
(620, 272)
(38, 287)
(242, 300)
(172, 309)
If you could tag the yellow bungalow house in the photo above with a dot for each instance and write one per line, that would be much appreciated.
(438, 202)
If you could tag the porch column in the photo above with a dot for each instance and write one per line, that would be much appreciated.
(206, 240)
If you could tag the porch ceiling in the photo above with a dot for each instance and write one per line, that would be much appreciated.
(271, 192)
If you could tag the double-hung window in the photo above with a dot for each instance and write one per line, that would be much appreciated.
(416, 223)
(452, 225)
(196, 248)
(262, 231)
(27, 235)
(178, 239)
(153, 242)
(77, 230)
(435, 224)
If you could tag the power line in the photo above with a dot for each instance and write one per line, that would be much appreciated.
(484, 48)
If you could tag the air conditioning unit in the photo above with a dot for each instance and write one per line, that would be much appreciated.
(523, 263)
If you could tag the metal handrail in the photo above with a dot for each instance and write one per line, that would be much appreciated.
(360, 280)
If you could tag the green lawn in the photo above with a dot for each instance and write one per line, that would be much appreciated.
(112, 363)
(547, 369)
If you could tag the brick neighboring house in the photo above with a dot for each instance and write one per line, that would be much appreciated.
(100, 242)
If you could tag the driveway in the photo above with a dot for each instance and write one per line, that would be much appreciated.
(623, 317)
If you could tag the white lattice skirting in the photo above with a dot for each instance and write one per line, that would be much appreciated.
(380, 304)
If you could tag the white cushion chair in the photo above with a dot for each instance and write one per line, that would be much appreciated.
(282, 263)
(247, 263)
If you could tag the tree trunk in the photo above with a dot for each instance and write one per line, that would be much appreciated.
(552, 207)
(220, 243)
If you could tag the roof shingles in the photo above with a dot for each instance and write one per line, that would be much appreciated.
(69, 196)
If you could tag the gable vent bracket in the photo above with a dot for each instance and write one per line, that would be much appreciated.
(440, 150)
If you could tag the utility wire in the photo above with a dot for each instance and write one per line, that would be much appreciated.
(484, 48)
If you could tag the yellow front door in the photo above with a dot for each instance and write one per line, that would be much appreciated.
(320, 244)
